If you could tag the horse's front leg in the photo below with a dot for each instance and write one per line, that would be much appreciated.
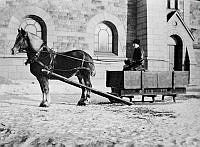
(44, 84)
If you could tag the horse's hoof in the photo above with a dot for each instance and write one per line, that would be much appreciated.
(81, 103)
(44, 104)
(88, 101)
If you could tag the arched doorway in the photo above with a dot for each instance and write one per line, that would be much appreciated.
(187, 61)
(175, 47)
(187, 64)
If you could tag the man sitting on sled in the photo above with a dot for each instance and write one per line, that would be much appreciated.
(136, 62)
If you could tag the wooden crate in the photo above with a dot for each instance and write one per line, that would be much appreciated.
(165, 79)
(132, 80)
(115, 79)
(181, 79)
(146, 80)
(123, 79)
(149, 80)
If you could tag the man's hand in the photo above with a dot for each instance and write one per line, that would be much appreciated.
(127, 62)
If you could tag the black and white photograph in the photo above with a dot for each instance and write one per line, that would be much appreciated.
(99, 73)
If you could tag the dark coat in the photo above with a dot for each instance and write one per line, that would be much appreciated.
(137, 54)
(136, 61)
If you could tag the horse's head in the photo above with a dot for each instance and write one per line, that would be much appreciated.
(21, 43)
(26, 42)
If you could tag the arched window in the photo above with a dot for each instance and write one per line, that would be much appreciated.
(106, 38)
(173, 4)
(32, 26)
(176, 5)
(35, 25)
(168, 4)
(103, 39)
(171, 49)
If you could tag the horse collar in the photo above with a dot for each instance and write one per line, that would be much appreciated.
(31, 60)
(35, 57)
(40, 49)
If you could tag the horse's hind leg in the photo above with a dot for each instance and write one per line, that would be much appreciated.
(87, 82)
(44, 84)
(81, 102)
(85, 99)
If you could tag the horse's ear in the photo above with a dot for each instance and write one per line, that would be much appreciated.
(23, 32)
(18, 30)
(26, 34)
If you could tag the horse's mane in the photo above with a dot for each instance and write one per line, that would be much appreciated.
(35, 41)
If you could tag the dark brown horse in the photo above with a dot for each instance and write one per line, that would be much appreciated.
(67, 64)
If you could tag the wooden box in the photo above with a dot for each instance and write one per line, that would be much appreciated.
(114, 79)
(181, 79)
(124, 79)
(149, 79)
(132, 80)
(165, 79)
(146, 80)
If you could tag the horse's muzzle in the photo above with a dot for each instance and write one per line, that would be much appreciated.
(13, 51)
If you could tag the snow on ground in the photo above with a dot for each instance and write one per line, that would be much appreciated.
(23, 123)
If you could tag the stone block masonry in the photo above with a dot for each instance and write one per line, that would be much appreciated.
(69, 26)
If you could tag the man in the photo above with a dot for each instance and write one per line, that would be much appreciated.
(136, 62)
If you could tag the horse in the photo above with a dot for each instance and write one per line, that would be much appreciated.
(72, 63)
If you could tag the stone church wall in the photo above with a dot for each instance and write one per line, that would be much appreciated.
(70, 25)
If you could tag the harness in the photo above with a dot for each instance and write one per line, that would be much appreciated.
(50, 66)
(36, 56)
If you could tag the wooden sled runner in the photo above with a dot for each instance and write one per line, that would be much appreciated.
(147, 84)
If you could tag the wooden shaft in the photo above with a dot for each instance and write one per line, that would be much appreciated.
(104, 94)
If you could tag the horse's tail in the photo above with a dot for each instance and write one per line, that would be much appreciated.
(90, 63)
(92, 69)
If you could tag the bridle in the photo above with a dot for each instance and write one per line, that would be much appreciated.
(22, 49)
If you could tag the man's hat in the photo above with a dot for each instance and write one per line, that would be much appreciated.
(137, 41)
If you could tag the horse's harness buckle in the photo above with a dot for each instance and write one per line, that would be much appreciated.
(32, 60)
(35, 57)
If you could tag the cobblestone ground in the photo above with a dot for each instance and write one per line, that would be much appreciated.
(23, 123)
